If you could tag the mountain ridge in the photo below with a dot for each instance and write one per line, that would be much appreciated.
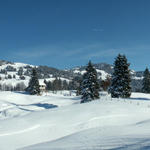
(13, 73)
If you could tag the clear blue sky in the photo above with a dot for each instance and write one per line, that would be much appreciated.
(67, 33)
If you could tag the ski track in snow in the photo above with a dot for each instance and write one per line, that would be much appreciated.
(21, 131)
(99, 118)
(112, 116)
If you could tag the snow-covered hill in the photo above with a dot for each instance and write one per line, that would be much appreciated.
(14, 75)
(18, 74)
(102, 124)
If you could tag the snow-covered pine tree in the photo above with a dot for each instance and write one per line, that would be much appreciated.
(33, 87)
(146, 81)
(90, 85)
(121, 78)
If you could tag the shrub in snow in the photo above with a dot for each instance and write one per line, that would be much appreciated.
(10, 68)
(9, 76)
(22, 77)
(121, 79)
(20, 87)
(90, 85)
(20, 71)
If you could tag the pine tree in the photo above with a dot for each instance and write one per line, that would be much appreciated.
(90, 85)
(121, 79)
(65, 85)
(56, 84)
(78, 89)
(146, 81)
(33, 87)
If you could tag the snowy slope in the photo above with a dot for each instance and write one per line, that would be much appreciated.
(10, 77)
(106, 124)
(13, 68)
(9, 74)
(128, 138)
(103, 124)
(13, 104)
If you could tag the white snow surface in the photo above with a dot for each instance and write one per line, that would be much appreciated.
(102, 74)
(102, 124)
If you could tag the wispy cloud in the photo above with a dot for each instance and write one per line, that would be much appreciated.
(32, 54)
(97, 30)
(35, 52)
(100, 52)
(81, 52)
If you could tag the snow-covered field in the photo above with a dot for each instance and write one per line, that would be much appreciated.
(60, 122)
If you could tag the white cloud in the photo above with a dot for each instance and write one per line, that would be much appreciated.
(36, 52)
(88, 51)
(97, 30)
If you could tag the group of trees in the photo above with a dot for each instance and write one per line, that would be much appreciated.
(119, 84)
(9, 87)
(89, 85)
(59, 84)
(56, 85)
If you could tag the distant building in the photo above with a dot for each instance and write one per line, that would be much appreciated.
(42, 88)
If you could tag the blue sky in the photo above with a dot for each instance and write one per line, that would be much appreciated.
(68, 33)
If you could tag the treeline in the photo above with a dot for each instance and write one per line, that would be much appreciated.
(9, 87)
(59, 84)
(74, 84)
(88, 86)
(35, 88)
(119, 84)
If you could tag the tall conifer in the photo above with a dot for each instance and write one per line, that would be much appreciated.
(90, 85)
(33, 87)
(146, 81)
(121, 79)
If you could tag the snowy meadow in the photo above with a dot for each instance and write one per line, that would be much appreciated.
(60, 122)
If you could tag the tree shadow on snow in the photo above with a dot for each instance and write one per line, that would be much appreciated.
(22, 92)
(140, 98)
(45, 105)
(140, 144)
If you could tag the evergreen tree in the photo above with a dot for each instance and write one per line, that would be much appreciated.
(90, 85)
(48, 85)
(146, 81)
(72, 85)
(57, 84)
(33, 87)
(121, 79)
(78, 89)
(65, 85)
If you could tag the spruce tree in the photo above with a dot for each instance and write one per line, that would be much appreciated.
(90, 85)
(146, 81)
(65, 85)
(121, 79)
(33, 87)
